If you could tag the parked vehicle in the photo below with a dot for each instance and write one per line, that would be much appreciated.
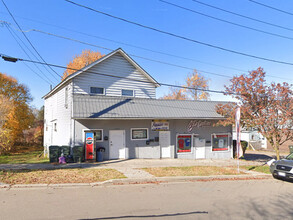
(283, 169)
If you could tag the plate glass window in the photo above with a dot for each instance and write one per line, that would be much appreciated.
(139, 134)
(97, 90)
(183, 143)
(127, 92)
(220, 142)
(99, 135)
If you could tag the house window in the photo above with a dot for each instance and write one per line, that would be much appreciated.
(99, 135)
(220, 142)
(184, 143)
(97, 90)
(66, 98)
(127, 92)
(139, 133)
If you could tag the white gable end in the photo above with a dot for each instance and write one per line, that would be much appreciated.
(128, 77)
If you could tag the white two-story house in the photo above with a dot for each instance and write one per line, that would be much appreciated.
(112, 103)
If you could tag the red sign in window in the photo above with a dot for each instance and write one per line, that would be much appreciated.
(183, 143)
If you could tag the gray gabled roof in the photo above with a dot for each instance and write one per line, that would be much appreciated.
(84, 69)
(105, 107)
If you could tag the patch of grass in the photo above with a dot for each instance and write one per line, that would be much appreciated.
(191, 171)
(58, 176)
(261, 169)
(35, 156)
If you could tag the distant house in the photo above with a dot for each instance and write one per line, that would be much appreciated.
(112, 103)
(254, 139)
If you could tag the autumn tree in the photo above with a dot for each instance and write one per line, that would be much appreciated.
(5, 140)
(196, 86)
(176, 94)
(194, 89)
(79, 61)
(268, 108)
(17, 95)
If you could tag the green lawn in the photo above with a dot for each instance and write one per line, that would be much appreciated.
(261, 169)
(58, 176)
(191, 171)
(35, 156)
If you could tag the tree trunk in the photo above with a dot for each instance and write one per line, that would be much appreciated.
(277, 152)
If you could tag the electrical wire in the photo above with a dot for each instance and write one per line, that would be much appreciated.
(145, 58)
(243, 16)
(133, 55)
(226, 21)
(14, 36)
(182, 37)
(30, 41)
(268, 6)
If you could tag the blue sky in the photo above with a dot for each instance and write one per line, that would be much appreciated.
(51, 15)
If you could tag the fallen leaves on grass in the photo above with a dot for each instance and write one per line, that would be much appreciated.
(58, 176)
(191, 171)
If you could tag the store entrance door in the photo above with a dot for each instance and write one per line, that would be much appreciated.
(164, 141)
(117, 144)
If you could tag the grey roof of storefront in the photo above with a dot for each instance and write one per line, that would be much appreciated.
(105, 107)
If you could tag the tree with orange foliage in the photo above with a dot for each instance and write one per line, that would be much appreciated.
(19, 116)
(268, 108)
(194, 89)
(79, 61)
(176, 94)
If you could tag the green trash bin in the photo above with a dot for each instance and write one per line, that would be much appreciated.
(54, 154)
(78, 154)
(65, 150)
(291, 148)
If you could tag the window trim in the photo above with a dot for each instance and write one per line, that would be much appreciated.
(128, 90)
(228, 144)
(93, 130)
(135, 139)
(191, 144)
(104, 90)
(66, 97)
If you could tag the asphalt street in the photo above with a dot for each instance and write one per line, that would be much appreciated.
(229, 199)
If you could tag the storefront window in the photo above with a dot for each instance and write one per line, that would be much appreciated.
(139, 134)
(99, 135)
(183, 143)
(220, 142)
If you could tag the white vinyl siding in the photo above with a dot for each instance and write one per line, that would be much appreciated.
(118, 66)
(58, 118)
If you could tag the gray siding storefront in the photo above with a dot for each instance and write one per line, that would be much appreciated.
(151, 148)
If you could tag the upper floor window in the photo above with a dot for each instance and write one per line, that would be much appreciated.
(66, 98)
(97, 90)
(127, 92)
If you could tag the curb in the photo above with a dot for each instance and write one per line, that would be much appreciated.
(156, 180)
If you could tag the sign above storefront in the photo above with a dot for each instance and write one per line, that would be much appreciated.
(198, 124)
(160, 125)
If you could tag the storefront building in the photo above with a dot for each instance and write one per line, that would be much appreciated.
(124, 117)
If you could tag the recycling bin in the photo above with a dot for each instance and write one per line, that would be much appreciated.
(78, 154)
(54, 154)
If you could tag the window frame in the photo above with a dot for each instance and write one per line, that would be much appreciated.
(127, 90)
(228, 142)
(191, 143)
(93, 130)
(104, 90)
(142, 139)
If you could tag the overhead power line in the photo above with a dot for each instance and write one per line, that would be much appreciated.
(243, 16)
(226, 21)
(268, 6)
(183, 37)
(5, 57)
(145, 58)
(30, 41)
(133, 55)
(47, 80)
(134, 46)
